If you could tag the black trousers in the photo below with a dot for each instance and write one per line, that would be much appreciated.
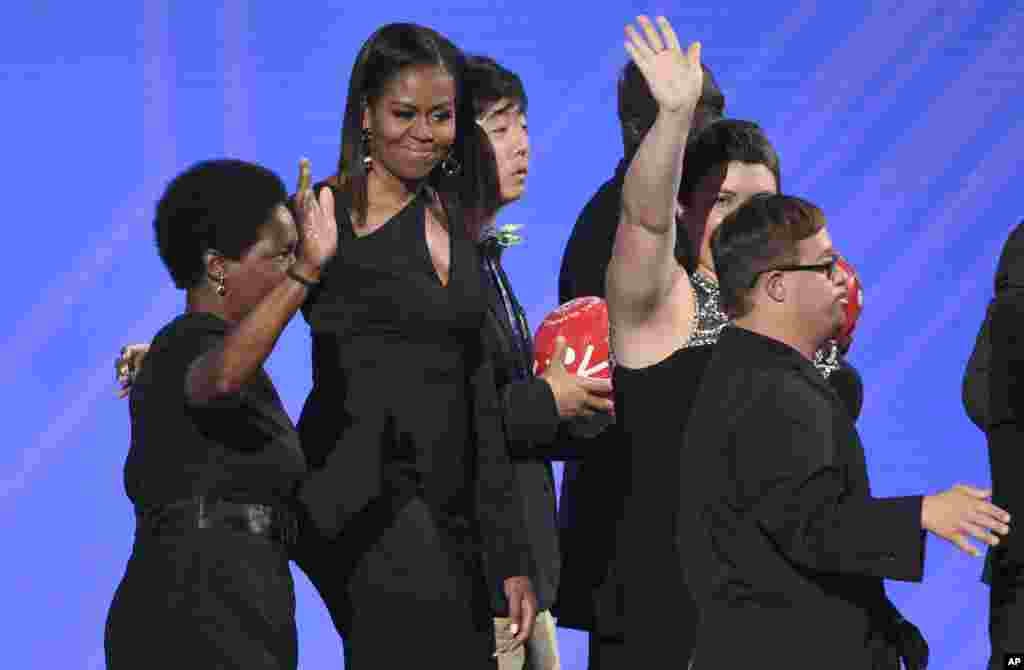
(1006, 596)
(607, 653)
(405, 588)
(206, 598)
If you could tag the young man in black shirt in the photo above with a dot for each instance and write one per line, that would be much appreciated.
(787, 546)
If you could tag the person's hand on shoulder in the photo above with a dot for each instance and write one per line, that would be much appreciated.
(127, 365)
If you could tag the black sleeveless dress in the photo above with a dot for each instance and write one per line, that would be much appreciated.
(652, 406)
(411, 483)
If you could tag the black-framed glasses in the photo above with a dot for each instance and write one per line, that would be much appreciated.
(828, 269)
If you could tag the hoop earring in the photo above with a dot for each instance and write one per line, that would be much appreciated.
(449, 166)
(367, 158)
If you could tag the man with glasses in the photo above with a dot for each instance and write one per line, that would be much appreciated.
(787, 547)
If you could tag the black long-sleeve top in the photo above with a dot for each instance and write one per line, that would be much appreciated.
(784, 539)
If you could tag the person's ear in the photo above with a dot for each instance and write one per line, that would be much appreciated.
(775, 286)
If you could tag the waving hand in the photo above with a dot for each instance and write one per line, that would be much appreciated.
(674, 77)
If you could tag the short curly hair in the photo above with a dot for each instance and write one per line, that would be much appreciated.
(214, 205)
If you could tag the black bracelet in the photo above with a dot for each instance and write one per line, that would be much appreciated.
(299, 278)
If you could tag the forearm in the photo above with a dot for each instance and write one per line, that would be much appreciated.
(499, 506)
(643, 255)
(569, 445)
(530, 415)
(651, 185)
(225, 369)
(879, 537)
(502, 527)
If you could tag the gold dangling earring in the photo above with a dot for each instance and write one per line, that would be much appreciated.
(222, 290)
(367, 158)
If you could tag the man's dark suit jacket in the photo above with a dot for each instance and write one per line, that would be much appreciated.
(787, 548)
(531, 422)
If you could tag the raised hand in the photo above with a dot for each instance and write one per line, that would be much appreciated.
(575, 395)
(674, 77)
(964, 510)
(318, 232)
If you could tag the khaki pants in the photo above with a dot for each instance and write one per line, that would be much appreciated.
(540, 651)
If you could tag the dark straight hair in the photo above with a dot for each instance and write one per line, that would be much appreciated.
(389, 50)
(761, 233)
(722, 142)
(489, 82)
(638, 109)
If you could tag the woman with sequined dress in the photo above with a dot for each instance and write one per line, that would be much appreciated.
(664, 317)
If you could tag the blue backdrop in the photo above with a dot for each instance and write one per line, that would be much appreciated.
(902, 121)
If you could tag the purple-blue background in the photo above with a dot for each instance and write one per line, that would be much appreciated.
(904, 122)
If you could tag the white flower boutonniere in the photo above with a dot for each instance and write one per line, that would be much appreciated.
(508, 235)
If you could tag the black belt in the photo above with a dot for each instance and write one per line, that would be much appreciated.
(276, 522)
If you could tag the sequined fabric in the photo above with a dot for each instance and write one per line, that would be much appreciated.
(826, 359)
(710, 320)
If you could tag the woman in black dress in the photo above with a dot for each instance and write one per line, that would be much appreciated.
(214, 458)
(403, 429)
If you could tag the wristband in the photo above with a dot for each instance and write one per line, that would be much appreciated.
(299, 278)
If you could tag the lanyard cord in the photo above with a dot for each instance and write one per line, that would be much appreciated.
(515, 317)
